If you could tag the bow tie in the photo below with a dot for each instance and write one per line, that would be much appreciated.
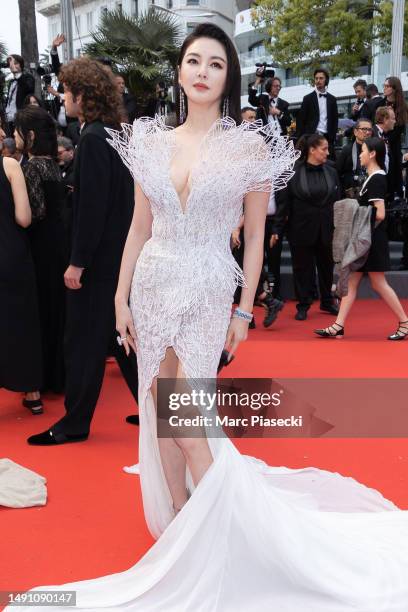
(322, 95)
(273, 101)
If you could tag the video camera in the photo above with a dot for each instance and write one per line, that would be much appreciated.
(264, 70)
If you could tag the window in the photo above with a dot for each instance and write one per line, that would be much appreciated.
(89, 21)
(190, 27)
(169, 4)
(193, 2)
(53, 30)
(77, 24)
(135, 8)
(78, 52)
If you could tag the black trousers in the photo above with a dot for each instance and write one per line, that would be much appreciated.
(272, 258)
(305, 260)
(89, 337)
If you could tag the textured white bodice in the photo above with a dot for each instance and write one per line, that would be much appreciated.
(190, 250)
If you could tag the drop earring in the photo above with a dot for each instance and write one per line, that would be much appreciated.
(182, 108)
(225, 107)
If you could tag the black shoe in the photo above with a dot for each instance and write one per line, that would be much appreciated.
(330, 308)
(50, 438)
(401, 333)
(333, 331)
(35, 406)
(301, 314)
(133, 419)
(274, 307)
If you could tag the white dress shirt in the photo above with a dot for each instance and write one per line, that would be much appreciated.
(322, 125)
(11, 108)
(273, 119)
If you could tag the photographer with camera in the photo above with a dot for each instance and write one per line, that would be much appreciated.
(161, 104)
(271, 108)
(21, 85)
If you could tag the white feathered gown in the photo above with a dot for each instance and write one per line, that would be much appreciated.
(251, 537)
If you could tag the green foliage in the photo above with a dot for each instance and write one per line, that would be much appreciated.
(3, 51)
(339, 34)
(145, 49)
(383, 24)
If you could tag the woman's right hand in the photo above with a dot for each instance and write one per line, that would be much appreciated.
(124, 326)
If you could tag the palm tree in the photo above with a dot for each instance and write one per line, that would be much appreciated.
(144, 49)
(28, 31)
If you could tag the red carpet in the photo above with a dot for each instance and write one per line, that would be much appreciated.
(93, 523)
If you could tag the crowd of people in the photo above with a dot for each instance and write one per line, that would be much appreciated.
(304, 211)
(64, 257)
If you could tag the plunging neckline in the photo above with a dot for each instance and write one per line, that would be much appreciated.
(192, 174)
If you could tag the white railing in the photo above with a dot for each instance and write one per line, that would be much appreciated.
(250, 58)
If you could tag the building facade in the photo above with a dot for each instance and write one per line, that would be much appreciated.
(251, 49)
(86, 15)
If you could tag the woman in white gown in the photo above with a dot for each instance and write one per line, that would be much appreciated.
(244, 536)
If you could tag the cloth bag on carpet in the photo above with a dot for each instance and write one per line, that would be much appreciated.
(21, 487)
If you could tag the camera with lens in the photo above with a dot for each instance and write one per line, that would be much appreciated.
(264, 70)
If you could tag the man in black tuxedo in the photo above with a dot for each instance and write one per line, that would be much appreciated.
(373, 101)
(319, 112)
(21, 85)
(271, 108)
(102, 211)
(360, 88)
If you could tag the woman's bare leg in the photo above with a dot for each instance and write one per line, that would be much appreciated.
(380, 284)
(195, 450)
(172, 457)
(348, 300)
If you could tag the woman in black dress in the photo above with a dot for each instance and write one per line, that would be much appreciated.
(35, 134)
(372, 193)
(20, 347)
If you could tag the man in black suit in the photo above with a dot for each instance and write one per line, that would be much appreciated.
(21, 85)
(319, 112)
(360, 88)
(271, 108)
(128, 101)
(102, 212)
(373, 101)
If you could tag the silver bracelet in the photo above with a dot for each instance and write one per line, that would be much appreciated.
(241, 314)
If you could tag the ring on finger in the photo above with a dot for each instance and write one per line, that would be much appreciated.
(121, 339)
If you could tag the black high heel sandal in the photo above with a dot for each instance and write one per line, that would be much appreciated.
(326, 333)
(35, 406)
(401, 333)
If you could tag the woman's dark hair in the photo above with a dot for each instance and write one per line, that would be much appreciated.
(233, 82)
(307, 142)
(27, 100)
(399, 104)
(377, 145)
(37, 120)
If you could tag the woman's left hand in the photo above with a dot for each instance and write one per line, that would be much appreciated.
(237, 332)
